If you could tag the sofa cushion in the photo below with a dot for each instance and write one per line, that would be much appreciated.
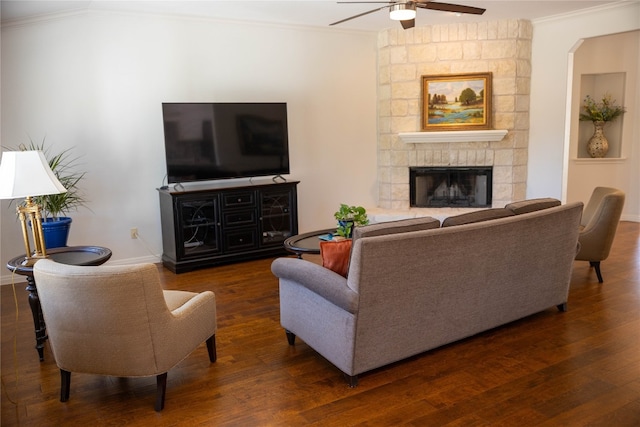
(531, 205)
(335, 255)
(477, 216)
(393, 227)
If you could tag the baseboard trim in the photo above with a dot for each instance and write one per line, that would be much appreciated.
(632, 218)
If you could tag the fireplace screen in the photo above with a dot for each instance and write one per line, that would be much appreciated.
(439, 187)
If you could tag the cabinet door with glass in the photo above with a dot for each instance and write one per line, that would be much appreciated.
(277, 215)
(199, 226)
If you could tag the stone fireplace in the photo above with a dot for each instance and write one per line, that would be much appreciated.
(500, 47)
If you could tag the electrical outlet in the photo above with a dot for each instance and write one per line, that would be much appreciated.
(134, 233)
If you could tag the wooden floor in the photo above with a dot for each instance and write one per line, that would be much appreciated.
(576, 368)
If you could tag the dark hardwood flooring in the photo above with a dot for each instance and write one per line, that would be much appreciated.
(579, 368)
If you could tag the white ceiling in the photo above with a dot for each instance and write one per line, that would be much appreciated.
(300, 12)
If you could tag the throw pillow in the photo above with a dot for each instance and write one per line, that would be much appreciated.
(532, 205)
(335, 255)
(477, 216)
(393, 227)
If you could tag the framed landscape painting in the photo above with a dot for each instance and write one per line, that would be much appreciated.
(456, 102)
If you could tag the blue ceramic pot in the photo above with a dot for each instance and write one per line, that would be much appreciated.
(56, 232)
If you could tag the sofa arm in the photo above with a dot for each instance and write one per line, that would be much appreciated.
(322, 281)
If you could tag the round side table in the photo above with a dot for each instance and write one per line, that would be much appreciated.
(72, 255)
(307, 243)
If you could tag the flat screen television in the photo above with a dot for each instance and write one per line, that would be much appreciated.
(209, 141)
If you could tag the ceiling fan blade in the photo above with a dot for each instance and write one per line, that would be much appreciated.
(359, 15)
(409, 23)
(448, 7)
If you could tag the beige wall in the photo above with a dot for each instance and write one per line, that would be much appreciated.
(601, 58)
(95, 81)
(500, 47)
(551, 112)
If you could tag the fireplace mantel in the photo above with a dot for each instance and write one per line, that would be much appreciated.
(452, 136)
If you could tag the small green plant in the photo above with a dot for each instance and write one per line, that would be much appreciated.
(63, 166)
(349, 217)
(604, 111)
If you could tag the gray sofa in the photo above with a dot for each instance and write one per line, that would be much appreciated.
(420, 287)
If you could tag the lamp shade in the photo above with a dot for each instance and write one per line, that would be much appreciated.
(27, 174)
(403, 11)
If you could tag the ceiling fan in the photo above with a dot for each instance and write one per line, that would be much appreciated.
(405, 11)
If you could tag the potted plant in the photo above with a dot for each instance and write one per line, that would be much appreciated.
(55, 207)
(600, 113)
(349, 217)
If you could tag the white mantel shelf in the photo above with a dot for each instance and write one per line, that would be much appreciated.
(452, 136)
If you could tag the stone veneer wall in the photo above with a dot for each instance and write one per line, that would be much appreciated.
(501, 47)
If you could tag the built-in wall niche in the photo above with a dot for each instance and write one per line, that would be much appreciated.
(597, 86)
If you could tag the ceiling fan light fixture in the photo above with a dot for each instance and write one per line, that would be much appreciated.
(402, 11)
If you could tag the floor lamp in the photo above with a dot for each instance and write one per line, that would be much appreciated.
(26, 174)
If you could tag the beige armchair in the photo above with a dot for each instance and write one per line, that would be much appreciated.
(598, 226)
(117, 321)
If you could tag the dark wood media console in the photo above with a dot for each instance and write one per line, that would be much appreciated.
(203, 226)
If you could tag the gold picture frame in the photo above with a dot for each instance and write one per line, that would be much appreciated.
(456, 102)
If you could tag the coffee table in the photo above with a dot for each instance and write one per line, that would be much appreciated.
(306, 243)
(72, 255)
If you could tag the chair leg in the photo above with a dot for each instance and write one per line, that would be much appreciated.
(161, 381)
(291, 337)
(596, 265)
(562, 307)
(352, 380)
(211, 348)
(65, 385)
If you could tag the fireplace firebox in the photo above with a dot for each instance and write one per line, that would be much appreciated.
(444, 187)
